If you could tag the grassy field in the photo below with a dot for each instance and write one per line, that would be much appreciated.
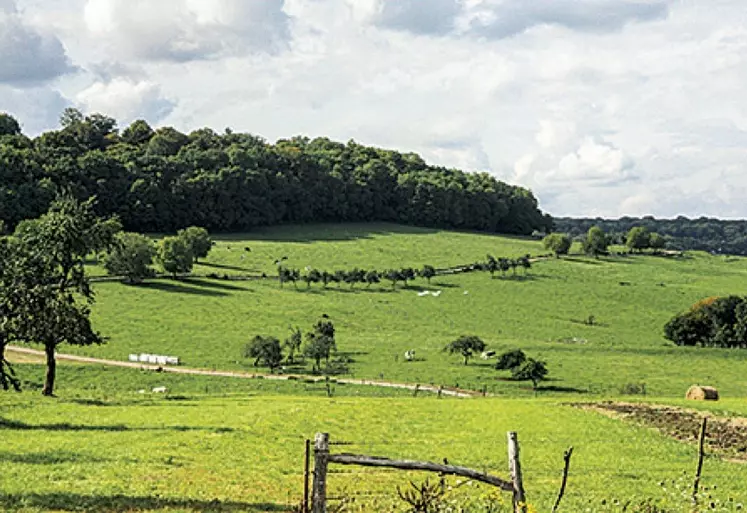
(207, 322)
(245, 453)
(220, 444)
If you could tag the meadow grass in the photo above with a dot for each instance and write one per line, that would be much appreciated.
(245, 453)
(207, 322)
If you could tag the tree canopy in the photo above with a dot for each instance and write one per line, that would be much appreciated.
(163, 180)
(467, 346)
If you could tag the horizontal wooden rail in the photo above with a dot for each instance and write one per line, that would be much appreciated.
(373, 461)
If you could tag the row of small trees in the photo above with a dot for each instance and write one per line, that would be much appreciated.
(354, 276)
(317, 345)
(132, 254)
(597, 242)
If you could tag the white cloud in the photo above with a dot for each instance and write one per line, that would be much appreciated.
(37, 108)
(126, 100)
(602, 107)
(28, 56)
(186, 30)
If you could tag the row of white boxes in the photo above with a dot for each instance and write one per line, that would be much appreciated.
(155, 359)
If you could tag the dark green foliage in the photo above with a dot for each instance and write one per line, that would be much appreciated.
(510, 360)
(393, 275)
(131, 256)
(492, 265)
(467, 346)
(293, 343)
(657, 242)
(46, 293)
(596, 242)
(266, 351)
(372, 277)
(638, 238)
(198, 240)
(175, 255)
(9, 125)
(531, 370)
(164, 180)
(312, 276)
(720, 323)
(320, 343)
(407, 274)
(428, 272)
(558, 243)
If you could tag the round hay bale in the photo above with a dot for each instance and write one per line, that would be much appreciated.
(702, 393)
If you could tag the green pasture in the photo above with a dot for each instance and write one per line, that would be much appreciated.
(245, 453)
(207, 322)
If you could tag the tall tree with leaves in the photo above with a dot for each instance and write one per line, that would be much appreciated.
(320, 343)
(467, 346)
(293, 343)
(266, 351)
(596, 242)
(131, 255)
(52, 278)
(198, 240)
(175, 256)
(558, 243)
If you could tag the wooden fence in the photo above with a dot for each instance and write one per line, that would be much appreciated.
(323, 458)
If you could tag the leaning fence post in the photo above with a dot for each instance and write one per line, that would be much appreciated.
(321, 455)
(514, 466)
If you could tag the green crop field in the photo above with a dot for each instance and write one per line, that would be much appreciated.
(221, 444)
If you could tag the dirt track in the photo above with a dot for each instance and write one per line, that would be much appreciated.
(32, 353)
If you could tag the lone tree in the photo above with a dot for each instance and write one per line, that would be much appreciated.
(428, 272)
(558, 243)
(531, 370)
(265, 351)
(596, 242)
(467, 346)
(51, 292)
(175, 256)
(638, 239)
(198, 240)
(131, 256)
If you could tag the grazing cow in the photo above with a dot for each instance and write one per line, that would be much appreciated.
(160, 390)
(248, 250)
(424, 293)
(409, 355)
(436, 294)
(486, 355)
(134, 358)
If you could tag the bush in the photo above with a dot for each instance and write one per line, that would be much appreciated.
(510, 360)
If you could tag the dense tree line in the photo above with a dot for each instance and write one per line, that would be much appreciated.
(163, 180)
(708, 234)
(713, 322)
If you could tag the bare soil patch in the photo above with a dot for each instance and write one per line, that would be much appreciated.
(725, 435)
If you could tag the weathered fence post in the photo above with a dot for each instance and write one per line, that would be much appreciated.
(514, 466)
(307, 457)
(701, 453)
(321, 456)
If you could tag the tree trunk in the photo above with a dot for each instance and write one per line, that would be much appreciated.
(465, 359)
(48, 389)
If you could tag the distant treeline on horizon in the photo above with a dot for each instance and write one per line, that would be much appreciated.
(163, 180)
(704, 233)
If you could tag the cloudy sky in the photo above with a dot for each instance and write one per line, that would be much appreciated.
(601, 107)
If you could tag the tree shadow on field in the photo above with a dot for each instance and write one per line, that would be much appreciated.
(577, 260)
(226, 267)
(176, 288)
(125, 503)
(16, 425)
(332, 232)
(48, 458)
(212, 284)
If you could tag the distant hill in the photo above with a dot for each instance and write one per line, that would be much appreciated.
(708, 234)
(162, 180)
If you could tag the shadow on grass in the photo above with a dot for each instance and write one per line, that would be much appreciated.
(17, 425)
(329, 233)
(555, 388)
(48, 458)
(63, 501)
(212, 284)
(225, 266)
(176, 288)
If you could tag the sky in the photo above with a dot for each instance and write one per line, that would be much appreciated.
(600, 107)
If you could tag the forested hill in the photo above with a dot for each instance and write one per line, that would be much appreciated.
(161, 180)
(714, 235)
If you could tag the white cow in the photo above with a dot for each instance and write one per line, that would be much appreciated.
(410, 355)
(486, 355)
(160, 390)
